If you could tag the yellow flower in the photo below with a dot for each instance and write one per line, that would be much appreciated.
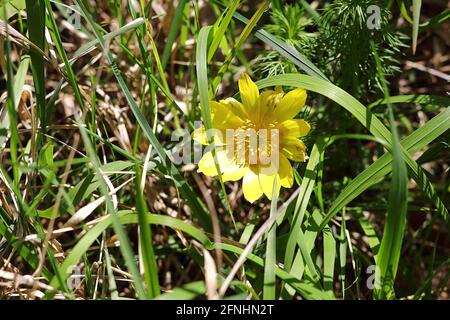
(254, 139)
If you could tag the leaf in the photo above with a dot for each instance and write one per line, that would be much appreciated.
(306, 189)
(380, 168)
(417, 4)
(12, 7)
(146, 242)
(19, 81)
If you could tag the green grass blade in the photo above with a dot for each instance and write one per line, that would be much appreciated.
(36, 31)
(250, 25)
(222, 28)
(186, 292)
(285, 50)
(417, 4)
(372, 237)
(306, 189)
(329, 255)
(271, 251)
(380, 168)
(186, 191)
(203, 89)
(146, 242)
(304, 289)
(125, 245)
(391, 243)
(10, 106)
(54, 32)
(126, 217)
(173, 33)
(366, 118)
(19, 81)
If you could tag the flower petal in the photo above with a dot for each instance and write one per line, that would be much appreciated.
(294, 149)
(267, 183)
(223, 116)
(268, 99)
(207, 165)
(236, 107)
(285, 173)
(200, 136)
(249, 93)
(291, 104)
(294, 128)
(234, 173)
(251, 187)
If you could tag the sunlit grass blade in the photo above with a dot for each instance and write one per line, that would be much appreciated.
(304, 289)
(250, 25)
(203, 89)
(146, 242)
(173, 32)
(306, 190)
(286, 50)
(391, 243)
(219, 32)
(186, 191)
(416, 4)
(125, 245)
(329, 255)
(25, 250)
(271, 251)
(372, 237)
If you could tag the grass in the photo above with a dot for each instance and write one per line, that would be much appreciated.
(90, 186)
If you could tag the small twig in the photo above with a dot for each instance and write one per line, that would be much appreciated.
(431, 71)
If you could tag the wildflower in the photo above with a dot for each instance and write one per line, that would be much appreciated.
(256, 138)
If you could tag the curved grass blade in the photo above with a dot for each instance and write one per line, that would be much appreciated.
(285, 50)
(126, 217)
(219, 33)
(306, 189)
(380, 168)
(186, 191)
(413, 98)
(394, 228)
(202, 84)
(366, 118)
(250, 25)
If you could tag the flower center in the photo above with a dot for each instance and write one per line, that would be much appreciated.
(254, 144)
